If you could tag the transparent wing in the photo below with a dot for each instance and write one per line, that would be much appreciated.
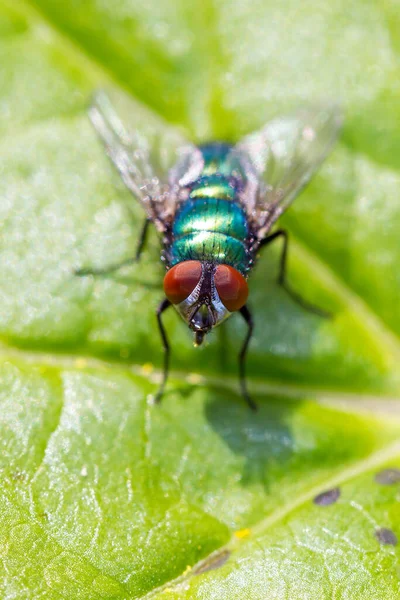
(284, 155)
(154, 160)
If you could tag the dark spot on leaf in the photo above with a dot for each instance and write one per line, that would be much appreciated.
(327, 498)
(388, 476)
(386, 536)
(214, 562)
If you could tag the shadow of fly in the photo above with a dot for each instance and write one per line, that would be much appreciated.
(214, 206)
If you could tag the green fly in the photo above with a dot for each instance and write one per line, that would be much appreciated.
(214, 206)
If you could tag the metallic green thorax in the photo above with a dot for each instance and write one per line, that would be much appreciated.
(211, 225)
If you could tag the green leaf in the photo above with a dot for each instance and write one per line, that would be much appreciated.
(104, 495)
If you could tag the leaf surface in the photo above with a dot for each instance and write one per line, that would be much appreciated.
(106, 496)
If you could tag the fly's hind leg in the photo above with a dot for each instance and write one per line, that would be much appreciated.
(129, 261)
(281, 233)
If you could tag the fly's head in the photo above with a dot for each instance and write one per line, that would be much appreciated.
(205, 294)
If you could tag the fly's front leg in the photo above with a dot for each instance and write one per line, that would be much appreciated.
(281, 233)
(166, 347)
(129, 261)
(246, 314)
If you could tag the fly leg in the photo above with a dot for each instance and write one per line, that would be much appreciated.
(166, 347)
(282, 274)
(246, 314)
(129, 261)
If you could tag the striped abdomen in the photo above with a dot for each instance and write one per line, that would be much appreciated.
(211, 225)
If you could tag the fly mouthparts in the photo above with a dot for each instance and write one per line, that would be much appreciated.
(199, 337)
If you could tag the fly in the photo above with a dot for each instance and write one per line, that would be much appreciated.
(214, 206)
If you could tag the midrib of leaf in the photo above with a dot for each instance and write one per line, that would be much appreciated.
(63, 360)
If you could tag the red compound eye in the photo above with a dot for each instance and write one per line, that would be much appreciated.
(231, 287)
(180, 280)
